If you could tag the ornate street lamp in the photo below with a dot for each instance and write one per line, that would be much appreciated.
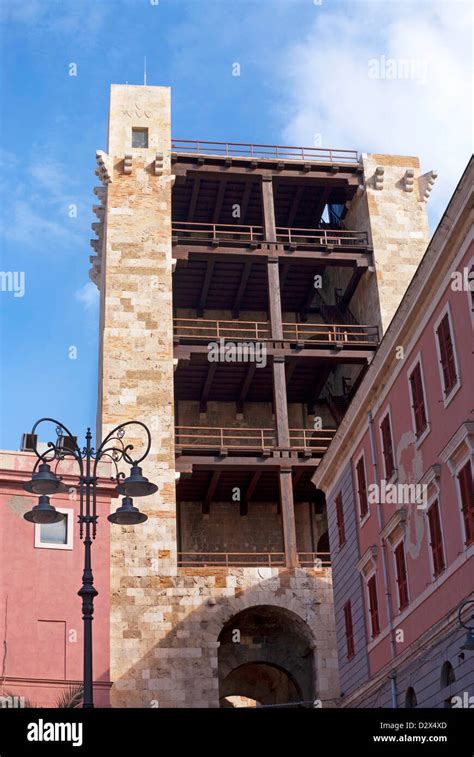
(45, 481)
(468, 645)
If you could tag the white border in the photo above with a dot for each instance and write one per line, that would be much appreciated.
(365, 518)
(431, 500)
(394, 545)
(464, 460)
(418, 439)
(370, 635)
(394, 476)
(446, 398)
(69, 511)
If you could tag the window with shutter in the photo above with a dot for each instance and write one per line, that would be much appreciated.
(467, 501)
(349, 630)
(436, 541)
(401, 576)
(418, 400)
(387, 447)
(373, 606)
(446, 352)
(340, 520)
(362, 488)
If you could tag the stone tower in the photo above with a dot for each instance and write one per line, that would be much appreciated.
(244, 290)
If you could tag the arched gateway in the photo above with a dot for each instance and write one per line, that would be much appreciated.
(266, 654)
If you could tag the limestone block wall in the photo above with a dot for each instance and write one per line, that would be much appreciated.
(184, 616)
(392, 210)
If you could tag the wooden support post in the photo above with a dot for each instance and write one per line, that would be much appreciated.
(268, 209)
(213, 481)
(288, 518)
(274, 298)
(280, 402)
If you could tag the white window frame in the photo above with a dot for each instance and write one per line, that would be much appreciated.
(469, 293)
(435, 497)
(394, 476)
(362, 520)
(418, 440)
(394, 545)
(467, 458)
(447, 397)
(372, 572)
(69, 511)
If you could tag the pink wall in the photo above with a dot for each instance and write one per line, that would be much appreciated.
(40, 612)
(412, 462)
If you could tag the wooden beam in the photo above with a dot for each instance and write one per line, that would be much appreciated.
(246, 386)
(219, 200)
(309, 297)
(346, 178)
(274, 298)
(268, 209)
(289, 369)
(245, 200)
(194, 197)
(205, 287)
(244, 503)
(297, 474)
(357, 273)
(321, 378)
(295, 204)
(288, 518)
(280, 402)
(207, 387)
(321, 202)
(199, 250)
(242, 286)
(285, 269)
(211, 490)
(242, 464)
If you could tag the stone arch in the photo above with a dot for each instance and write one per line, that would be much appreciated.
(266, 683)
(274, 642)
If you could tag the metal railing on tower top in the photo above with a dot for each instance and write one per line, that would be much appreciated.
(265, 152)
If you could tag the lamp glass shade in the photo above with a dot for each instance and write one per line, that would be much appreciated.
(44, 481)
(127, 514)
(469, 642)
(43, 512)
(136, 485)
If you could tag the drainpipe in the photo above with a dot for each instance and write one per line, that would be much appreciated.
(384, 555)
(393, 688)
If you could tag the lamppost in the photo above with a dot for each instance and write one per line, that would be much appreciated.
(469, 642)
(44, 482)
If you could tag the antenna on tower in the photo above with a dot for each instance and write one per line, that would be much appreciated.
(144, 71)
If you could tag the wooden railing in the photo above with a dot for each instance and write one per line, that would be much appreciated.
(207, 437)
(241, 234)
(266, 152)
(317, 560)
(321, 237)
(206, 330)
(311, 440)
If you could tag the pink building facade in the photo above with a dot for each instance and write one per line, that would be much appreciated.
(40, 612)
(398, 479)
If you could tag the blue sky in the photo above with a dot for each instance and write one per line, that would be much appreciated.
(303, 80)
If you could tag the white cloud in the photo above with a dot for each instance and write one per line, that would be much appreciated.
(328, 91)
(31, 227)
(88, 296)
